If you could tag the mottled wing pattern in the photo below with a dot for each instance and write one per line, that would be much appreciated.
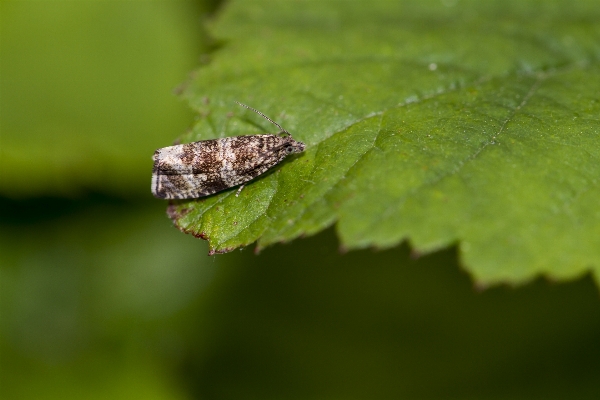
(202, 168)
(184, 171)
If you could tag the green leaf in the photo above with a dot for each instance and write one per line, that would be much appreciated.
(474, 123)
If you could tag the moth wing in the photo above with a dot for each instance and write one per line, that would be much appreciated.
(184, 186)
(202, 168)
(186, 171)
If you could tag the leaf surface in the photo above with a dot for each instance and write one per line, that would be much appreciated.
(434, 122)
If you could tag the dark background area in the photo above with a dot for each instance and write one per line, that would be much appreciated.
(100, 297)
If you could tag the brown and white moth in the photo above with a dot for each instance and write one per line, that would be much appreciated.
(197, 169)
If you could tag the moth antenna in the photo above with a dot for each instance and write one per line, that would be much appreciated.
(265, 117)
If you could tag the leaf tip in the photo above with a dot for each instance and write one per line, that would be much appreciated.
(200, 235)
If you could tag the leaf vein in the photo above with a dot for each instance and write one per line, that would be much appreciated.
(385, 214)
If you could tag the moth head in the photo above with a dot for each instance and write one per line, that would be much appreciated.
(293, 146)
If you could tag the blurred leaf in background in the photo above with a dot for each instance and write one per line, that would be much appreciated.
(92, 285)
(85, 92)
(92, 300)
(304, 322)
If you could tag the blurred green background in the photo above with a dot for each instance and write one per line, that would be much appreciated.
(101, 298)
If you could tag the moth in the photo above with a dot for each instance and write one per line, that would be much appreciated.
(197, 169)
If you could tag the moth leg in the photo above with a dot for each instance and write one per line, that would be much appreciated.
(239, 190)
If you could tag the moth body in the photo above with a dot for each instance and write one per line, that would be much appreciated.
(198, 169)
